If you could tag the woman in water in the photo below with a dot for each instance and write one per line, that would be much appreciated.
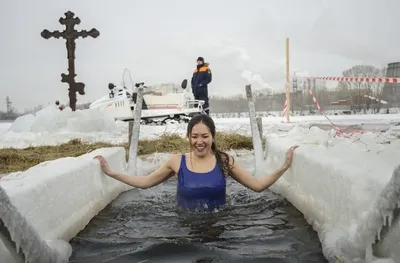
(202, 171)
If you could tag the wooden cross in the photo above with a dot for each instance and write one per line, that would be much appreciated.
(70, 34)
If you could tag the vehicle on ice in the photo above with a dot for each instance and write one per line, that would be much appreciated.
(157, 108)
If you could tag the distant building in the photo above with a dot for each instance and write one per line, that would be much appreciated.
(391, 91)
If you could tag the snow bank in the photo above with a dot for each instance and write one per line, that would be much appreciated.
(51, 120)
(60, 197)
(51, 127)
(117, 136)
(335, 181)
(96, 127)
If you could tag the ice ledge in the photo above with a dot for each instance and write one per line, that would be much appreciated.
(337, 195)
(58, 198)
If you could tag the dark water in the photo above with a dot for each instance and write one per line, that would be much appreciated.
(144, 226)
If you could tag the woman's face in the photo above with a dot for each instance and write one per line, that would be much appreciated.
(200, 139)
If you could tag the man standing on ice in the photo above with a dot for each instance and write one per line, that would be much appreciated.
(201, 78)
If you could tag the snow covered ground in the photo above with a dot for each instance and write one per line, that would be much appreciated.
(4, 127)
(51, 127)
(333, 180)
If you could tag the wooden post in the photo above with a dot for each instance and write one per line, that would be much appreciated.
(255, 132)
(260, 128)
(130, 129)
(263, 140)
(287, 81)
(134, 143)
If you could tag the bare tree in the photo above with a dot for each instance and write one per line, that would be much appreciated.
(378, 92)
(356, 91)
(322, 94)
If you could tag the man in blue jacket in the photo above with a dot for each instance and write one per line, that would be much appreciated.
(201, 78)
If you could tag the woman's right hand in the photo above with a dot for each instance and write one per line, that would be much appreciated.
(104, 164)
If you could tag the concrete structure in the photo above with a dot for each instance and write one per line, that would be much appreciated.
(391, 92)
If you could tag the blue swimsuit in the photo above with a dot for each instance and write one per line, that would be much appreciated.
(200, 191)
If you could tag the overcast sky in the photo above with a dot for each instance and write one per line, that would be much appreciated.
(159, 41)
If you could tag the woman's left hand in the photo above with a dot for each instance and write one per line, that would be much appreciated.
(289, 156)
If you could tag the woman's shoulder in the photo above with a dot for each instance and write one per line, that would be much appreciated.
(174, 162)
(176, 158)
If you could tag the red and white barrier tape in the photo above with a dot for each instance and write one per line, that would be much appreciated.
(357, 79)
(285, 108)
(338, 130)
(344, 79)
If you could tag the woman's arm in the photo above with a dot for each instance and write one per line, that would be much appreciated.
(259, 184)
(162, 174)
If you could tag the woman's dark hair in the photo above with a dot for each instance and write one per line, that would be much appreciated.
(222, 157)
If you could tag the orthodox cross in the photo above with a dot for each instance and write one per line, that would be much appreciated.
(70, 34)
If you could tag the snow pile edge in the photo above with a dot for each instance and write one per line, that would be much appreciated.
(60, 197)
